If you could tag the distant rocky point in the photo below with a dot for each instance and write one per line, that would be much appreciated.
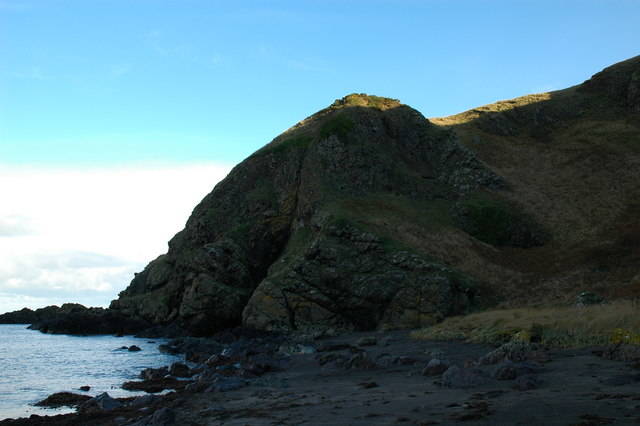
(73, 318)
(366, 215)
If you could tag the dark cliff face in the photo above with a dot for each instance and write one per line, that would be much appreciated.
(293, 197)
(368, 215)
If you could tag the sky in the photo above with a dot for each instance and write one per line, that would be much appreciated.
(118, 116)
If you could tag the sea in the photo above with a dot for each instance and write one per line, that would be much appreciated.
(33, 365)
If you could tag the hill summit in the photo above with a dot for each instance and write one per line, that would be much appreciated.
(367, 215)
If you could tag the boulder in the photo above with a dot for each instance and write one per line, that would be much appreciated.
(154, 373)
(435, 367)
(60, 399)
(155, 385)
(514, 351)
(162, 417)
(102, 402)
(526, 382)
(179, 369)
(587, 298)
(456, 377)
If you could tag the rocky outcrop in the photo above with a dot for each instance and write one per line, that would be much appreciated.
(23, 316)
(367, 215)
(346, 278)
(279, 240)
(73, 318)
(619, 82)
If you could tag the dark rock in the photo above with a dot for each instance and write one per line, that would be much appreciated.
(332, 347)
(85, 388)
(587, 298)
(330, 357)
(195, 349)
(267, 363)
(508, 370)
(385, 360)
(513, 351)
(102, 402)
(162, 417)
(154, 373)
(360, 361)
(143, 401)
(179, 369)
(435, 367)
(23, 316)
(134, 348)
(60, 399)
(505, 371)
(155, 385)
(456, 377)
(405, 360)
(526, 382)
(73, 318)
(367, 341)
(227, 384)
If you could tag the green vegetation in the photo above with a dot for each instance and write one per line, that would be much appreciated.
(572, 326)
(286, 145)
(497, 222)
(339, 125)
(488, 220)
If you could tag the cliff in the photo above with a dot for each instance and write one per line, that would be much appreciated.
(367, 215)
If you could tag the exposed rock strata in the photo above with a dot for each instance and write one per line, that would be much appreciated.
(281, 223)
(367, 215)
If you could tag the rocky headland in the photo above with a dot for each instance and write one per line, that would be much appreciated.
(366, 218)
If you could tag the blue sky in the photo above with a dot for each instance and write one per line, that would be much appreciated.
(95, 82)
(118, 116)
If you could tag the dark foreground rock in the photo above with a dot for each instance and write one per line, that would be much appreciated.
(155, 385)
(61, 399)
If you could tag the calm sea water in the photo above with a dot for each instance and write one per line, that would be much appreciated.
(34, 365)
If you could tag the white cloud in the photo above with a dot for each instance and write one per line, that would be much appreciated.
(14, 226)
(80, 234)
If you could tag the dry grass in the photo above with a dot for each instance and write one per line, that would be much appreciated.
(500, 106)
(573, 326)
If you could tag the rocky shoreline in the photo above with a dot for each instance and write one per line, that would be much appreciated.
(247, 377)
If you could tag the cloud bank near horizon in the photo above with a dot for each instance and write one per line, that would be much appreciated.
(79, 234)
